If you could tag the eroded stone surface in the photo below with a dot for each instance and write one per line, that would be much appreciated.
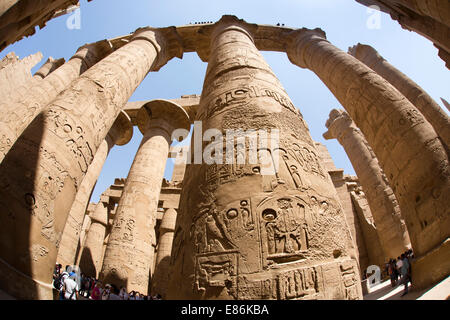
(234, 236)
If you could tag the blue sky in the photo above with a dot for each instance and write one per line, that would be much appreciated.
(344, 21)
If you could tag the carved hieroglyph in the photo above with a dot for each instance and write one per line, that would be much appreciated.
(120, 134)
(244, 235)
(19, 111)
(411, 90)
(129, 253)
(52, 157)
(408, 149)
(383, 204)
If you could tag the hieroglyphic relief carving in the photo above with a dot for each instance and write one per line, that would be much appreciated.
(240, 95)
(73, 134)
(299, 284)
(217, 269)
(285, 227)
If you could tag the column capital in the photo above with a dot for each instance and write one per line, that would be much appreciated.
(49, 66)
(167, 42)
(162, 113)
(121, 131)
(299, 39)
(361, 51)
(91, 53)
(338, 123)
(227, 22)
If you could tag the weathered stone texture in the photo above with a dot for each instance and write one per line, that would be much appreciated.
(130, 250)
(53, 156)
(120, 134)
(391, 228)
(234, 236)
(411, 90)
(15, 73)
(406, 145)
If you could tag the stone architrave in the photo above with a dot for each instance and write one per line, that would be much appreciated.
(91, 253)
(391, 228)
(48, 67)
(252, 229)
(120, 134)
(129, 254)
(411, 90)
(408, 149)
(18, 111)
(53, 154)
(166, 231)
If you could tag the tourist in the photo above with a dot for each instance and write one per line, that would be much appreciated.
(404, 272)
(59, 282)
(123, 294)
(106, 292)
(96, 293)
(132, 295)
(392, 272)
(70, 287)
(113, 295)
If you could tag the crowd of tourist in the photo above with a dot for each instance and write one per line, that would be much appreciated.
(76, 286)
(399, 270)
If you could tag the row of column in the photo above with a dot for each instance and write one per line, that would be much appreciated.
(411, 148)
(53, 134)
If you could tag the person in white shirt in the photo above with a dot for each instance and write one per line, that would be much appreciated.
(70, 287)
(123, 294)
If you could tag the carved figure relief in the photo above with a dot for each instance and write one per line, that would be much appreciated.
(215, 270)
(299, 284)
(285, 227)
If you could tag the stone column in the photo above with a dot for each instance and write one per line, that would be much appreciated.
(120, 134)
(406, 145)
(244, 231)
(411, 90)
(48, 67)
(166, 231)
(130, 253)
(92, 252)
(390, 226)
(40, 176)
(25, 104)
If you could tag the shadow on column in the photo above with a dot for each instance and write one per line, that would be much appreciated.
(18, 201)
(87, 265)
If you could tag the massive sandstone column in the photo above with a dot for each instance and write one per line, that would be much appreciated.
(92, 251)
(129, 253)
(120, 134)
(243, 231)
(22, 107)
(41, 174)
(390, 226)
(411, 90)
(166, 231)
(406, 145)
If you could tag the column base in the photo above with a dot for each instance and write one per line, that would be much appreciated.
(432, 267)
(21, 286)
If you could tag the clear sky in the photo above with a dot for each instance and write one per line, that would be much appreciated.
(345, 22)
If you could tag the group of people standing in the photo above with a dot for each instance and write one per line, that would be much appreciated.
(74, 286)
(399, 270)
